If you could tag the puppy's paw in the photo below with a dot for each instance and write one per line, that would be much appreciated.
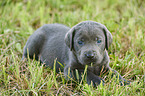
(124, 82)
(127, 82)
(97, 81)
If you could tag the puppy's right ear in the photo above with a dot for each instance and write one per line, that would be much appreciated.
(69, 38)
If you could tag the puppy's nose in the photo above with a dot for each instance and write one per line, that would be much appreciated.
(89, 54)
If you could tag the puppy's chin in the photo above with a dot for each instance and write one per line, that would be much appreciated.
(90, 62)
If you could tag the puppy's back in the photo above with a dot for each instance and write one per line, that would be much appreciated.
(41, 37)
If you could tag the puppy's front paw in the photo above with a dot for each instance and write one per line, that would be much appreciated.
(96, 81)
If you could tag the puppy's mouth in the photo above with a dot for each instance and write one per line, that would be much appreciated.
(89, 62)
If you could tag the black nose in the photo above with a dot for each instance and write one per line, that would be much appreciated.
(89, 54)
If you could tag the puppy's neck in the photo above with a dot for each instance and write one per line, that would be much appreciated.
(106, 59)
(73, 60)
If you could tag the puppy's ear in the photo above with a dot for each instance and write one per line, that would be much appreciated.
(108, 37)
(69, 38)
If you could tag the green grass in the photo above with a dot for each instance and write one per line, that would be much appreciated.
(20, 18)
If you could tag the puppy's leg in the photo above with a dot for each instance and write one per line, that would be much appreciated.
(77, 75)
(94, 79)
(34, 45)
(122, 81)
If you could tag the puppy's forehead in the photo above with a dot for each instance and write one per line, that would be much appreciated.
(89, 29)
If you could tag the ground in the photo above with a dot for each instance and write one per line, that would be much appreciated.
(20, 18)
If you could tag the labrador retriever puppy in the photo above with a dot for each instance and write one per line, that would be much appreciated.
(84, 44)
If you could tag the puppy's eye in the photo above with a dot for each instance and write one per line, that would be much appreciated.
(99, 41)
(80, 42)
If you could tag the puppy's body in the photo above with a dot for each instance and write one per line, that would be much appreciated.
(47, 43)
(84, 44)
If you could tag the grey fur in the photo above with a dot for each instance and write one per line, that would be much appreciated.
(84, 44)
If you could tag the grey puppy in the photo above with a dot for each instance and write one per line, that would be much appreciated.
(84, 44)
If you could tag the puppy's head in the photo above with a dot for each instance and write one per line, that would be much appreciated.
(89, 40)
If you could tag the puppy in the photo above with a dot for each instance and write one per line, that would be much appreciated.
(84, 44)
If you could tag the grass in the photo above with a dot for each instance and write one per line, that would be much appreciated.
(20, 18)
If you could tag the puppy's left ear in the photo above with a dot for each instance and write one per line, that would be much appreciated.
(69, 38)
(108, 37)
